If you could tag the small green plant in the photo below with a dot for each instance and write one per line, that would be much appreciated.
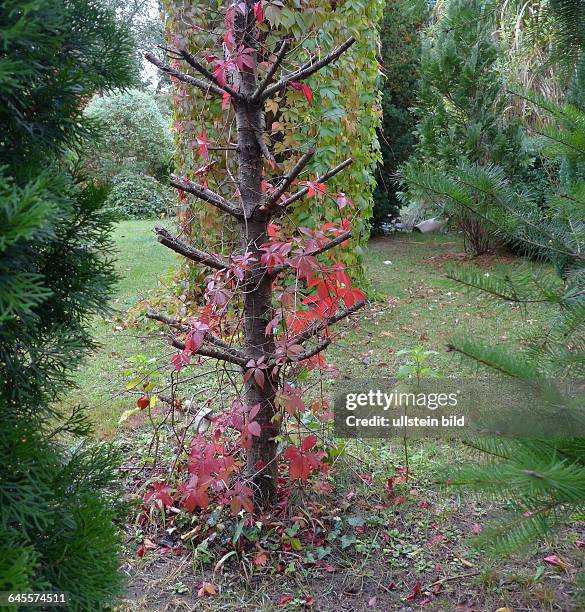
(417, 366)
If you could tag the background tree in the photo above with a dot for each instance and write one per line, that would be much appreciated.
(134, 137)
(283, 297)
(56, 508)
(143, 19)
(461, 109)
(400, 48)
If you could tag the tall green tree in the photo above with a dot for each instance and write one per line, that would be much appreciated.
(56, 503)
(461, 111)
(401, 49)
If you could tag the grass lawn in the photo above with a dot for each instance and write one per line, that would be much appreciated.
(142, 263)
(418, 307)
(381, 549)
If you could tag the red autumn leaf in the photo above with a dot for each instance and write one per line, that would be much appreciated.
(195, 494)
(258, 12)
(352, 296)
(226, 100)
(285, 599)
(143, 402)
(246, 57)
(181, 359)
(140, 551)
(203, 145)
(206, 589)
(261, 559)
(308, 443)
(304, 88)
(416, 591)
(161, 493)
(556, 562)
(314, 188)
(242, 497)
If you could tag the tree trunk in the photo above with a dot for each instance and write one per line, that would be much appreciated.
(261, 457)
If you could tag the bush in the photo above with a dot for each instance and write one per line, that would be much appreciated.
(134, 137)
(139, 196)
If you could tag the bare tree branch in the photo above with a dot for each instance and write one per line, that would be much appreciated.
(186, 78)
(307, 69)
(194, 63)
(177, 245)
(310, 353)
(313, 330)
(214, 353)
(209, 337)
(287, 181)
(314, 252)
(299, 194)
(205, 194)
(268, 78)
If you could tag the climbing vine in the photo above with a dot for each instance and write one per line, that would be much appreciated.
(341, 113)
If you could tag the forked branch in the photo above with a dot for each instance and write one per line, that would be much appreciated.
(307, 69)
(182, 248)
(269, 76)
(302, 192)
(287, 181)
(194, 63)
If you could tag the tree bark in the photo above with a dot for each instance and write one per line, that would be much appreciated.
(262, 466)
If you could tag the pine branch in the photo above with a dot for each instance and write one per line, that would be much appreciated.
(313, 253)
(307, 69)
(186, 78)
(299, 194)
(284, 47)
(205, 194)
(182, 248)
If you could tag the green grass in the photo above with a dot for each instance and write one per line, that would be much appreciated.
(418, 306)
(141, 264)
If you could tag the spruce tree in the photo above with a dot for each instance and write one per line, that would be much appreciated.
(461, 110)
(56, 503)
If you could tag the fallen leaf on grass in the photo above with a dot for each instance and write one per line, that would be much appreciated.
(556, 562)
(206, 589)
(416, 591)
